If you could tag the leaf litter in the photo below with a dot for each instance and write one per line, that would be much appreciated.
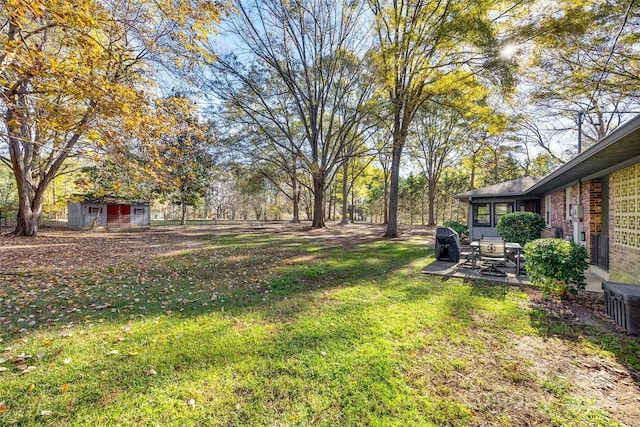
(68, 279)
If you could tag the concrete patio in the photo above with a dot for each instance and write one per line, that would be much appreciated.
(464, 271)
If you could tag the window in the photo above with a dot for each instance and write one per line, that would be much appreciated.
(547, 209)
(482, 215)
(95, 209)
(138, 211)
(501, 209)
(567, 201)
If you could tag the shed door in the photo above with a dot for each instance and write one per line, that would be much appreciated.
(118, 214)
(125, 214)
(113, 213)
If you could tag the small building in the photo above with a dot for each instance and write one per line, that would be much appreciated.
(108, 213)
(488, 204)
(593, 199)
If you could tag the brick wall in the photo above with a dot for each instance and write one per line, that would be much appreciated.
(624, 260)
(559, 210)
(592, 203)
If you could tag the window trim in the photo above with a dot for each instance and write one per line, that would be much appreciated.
(475, 221)
(495, 212)
(547, 209)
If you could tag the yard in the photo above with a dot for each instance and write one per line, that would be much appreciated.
(277, 324)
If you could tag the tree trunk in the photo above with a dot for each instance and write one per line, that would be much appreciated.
(421, 207)
(318, 202)
(385, 219)
(27, 222)
(431, 194)
(23, 151)
(392, 225)
(296, 206)
(353, 204)
(183, 220)
(95, 218)
(345, 192)
(295, 192)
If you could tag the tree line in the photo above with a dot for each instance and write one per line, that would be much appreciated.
(398, 104)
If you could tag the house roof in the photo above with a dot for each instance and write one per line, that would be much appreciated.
(513, 188)
(619, 149)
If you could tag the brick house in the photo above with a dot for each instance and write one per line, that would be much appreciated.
(593, 199)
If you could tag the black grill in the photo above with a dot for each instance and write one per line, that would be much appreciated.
(447, 245)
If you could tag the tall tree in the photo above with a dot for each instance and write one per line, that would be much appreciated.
(585, 62)
(421, 43)
(312, 54)
(437, 133)
(78, 72)
(185, 164)
(271, 151)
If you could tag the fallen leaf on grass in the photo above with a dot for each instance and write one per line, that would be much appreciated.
(191, 403)
(32, 387)
(55, 356)
(65, 388)
(27, 369)
(4, 408)
(133, 353)
(151, 372)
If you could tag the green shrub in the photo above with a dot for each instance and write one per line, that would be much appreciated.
(458, 227)
(557, 266)
(520, 227)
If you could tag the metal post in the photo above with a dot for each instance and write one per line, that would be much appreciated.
(580, 114)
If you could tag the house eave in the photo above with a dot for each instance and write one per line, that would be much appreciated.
(617, 150)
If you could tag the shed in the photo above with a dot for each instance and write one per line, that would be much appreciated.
(109, 213)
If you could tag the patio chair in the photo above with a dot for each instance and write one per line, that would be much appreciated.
(483, 237)
(494, 254)
(468, 257)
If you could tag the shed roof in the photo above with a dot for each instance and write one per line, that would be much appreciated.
(109, 200)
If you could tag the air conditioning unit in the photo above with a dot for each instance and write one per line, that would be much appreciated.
(577, 212)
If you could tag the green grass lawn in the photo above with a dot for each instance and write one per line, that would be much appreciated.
(259, 329)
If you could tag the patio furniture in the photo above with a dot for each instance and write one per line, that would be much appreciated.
(447, 244)
(470, 256)
(494, 253)
(483, 237)
(510, 247)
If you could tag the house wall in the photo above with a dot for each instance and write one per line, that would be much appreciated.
(589, 195)
(624, 225)
(558, 213)
(592, 205)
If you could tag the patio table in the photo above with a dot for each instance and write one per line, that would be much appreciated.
(516, 247)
